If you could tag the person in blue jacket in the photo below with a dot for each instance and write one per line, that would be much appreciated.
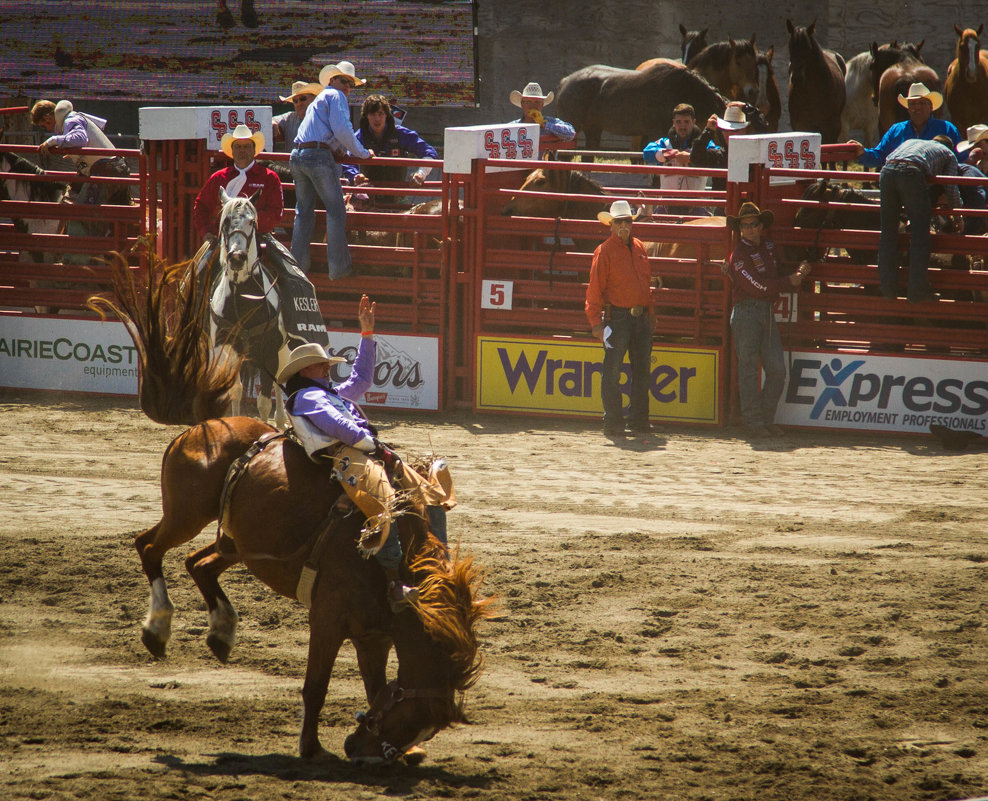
(921, 103)
(380, 132)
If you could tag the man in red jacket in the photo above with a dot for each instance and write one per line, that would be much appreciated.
(619, 308)
(756, 281)
(244, 177)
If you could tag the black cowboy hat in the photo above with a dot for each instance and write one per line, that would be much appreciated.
(749, 209)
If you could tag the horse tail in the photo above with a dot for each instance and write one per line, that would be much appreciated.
(181, 382)
(450, 610)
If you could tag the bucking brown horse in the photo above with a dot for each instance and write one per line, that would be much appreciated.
(284, 516)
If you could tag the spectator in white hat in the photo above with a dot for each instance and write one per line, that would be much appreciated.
(324, 135)
(531, 101)
(619, 309)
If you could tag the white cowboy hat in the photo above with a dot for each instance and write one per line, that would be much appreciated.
(533, 90)
(919, 90)
(975, 134)
(62, 110)
(330, 71)
(734, 119)
(241, 132)
(303, 356)
(620, 210)
(302, 88)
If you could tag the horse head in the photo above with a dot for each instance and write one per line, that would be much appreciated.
(438, 659)
(743, 68)
(888, 55)
(968, 51)
(803, 48)
(238, 237)
(766, 76)
(693, 42)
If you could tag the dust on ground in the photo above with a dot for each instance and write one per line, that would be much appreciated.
(688, 617)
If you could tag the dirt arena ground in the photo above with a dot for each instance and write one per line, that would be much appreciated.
(691, 617)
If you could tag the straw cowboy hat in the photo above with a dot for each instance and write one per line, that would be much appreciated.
(302, 88)
(62, 110)
(919, 90)
(241, 132)
(533, 92)
(620, 210)
(750, 210)
(975, 134)
(734, 119)
(330, 71)
(304, 356)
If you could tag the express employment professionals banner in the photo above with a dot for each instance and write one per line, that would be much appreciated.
(885, 393)
(406, 374)
(561, 377)
(72, 355)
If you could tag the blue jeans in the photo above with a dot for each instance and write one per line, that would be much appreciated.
(903, 186)
(631, 335)
(756, 336)
(973, 197)
(316, 172)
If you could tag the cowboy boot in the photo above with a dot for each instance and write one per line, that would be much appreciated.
(400, 595)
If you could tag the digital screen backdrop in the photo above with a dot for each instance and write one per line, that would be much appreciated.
(234, 51)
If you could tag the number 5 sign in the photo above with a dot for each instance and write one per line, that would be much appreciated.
(496, 294)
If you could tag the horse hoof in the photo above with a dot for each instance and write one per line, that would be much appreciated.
(414, 756)
(153, 643)
(220, 647)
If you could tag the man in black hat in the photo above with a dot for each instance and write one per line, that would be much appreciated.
(757, 280)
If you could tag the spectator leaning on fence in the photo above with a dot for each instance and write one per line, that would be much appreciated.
(284, 127)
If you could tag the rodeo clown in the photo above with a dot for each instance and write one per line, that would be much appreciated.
(331, 426)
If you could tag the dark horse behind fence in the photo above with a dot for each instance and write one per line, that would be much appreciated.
(31, 191)
(637, 102)
(894, 69)
(286, 514)
(816, 84)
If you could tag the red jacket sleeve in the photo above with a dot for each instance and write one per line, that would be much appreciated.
(206, 209)
(271, 203)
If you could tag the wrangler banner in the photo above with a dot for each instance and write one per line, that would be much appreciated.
(563, 378)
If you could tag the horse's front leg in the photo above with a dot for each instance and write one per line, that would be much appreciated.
(325, 639)
(205, 567)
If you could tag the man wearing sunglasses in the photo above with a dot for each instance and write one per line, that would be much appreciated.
(324, 135)
(285, 126)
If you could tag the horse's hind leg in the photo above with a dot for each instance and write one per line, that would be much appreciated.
(205, 567)
(157, 627)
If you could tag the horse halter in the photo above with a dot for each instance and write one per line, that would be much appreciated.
(248, 233)
(390, 696)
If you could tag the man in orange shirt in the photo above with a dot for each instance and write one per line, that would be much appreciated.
(619, 308)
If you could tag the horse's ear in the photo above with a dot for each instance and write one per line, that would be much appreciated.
(810, 28)
(789, 27)
(957, 29)
(253, 198)
(981, 27)
(770, 53)
(874, 49)
(683, 31)
(919, 46)
(734, 44)
(224, 197)
(752, 40)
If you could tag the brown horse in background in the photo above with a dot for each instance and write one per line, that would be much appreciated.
(816, 84)
(966, 87)
(767, 99)
(284, 514)
(730, 67)
(565, 182)
(896, 67)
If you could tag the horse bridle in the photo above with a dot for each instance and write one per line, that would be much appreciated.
(248, 235)
(390, 696)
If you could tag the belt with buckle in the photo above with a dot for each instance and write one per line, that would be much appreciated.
(320, 145)
(636, 311)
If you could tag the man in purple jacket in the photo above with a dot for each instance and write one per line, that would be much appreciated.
(331, 426)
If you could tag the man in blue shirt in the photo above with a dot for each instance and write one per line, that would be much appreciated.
(324, 135)
(921, 103)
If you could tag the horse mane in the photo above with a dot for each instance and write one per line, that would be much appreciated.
(181, 382)
(450, 611)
